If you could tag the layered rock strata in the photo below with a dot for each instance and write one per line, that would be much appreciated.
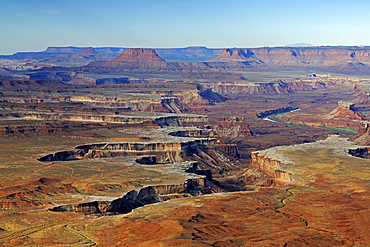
(145, 196)
(164, 152)
(232, 127)
(227, 127)
(163, 120)
(247, 87)
(157, 97)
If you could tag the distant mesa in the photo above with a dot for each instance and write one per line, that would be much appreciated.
(87, 51)
(62, 50)
(236, 55)
(131, 59)
(138, 55)
(231, 55)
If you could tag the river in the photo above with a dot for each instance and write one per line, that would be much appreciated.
(268, 119)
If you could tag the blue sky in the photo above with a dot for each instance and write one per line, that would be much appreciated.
(33, 25)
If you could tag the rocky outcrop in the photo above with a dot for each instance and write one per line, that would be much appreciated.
(247, 87)
(232, 127)
(345, 111)
(272, 167)
(193, 132)
(363, 134)
(227, 127)
(163, 119)
(362, 152)
(168, 152)
(147, 195)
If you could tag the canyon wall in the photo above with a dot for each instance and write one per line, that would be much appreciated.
(272, 167)
(231, 127)
(145, 196)
(167, 152)
(246, 88)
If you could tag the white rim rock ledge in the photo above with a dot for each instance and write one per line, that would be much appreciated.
(273, 162)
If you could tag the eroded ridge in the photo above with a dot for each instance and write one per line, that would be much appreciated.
(147, 195)
(161, 152)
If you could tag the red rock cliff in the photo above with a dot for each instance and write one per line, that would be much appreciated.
(138, 55)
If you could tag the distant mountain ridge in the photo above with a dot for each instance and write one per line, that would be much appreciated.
(187, 54)
(332, 58)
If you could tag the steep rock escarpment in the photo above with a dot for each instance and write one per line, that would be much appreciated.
(147, 195)
(281, 86)
(247, 87)
(232, 127)
(227, 127)
(272, 167)
(161, 152)
(160, 119)
(363, 134)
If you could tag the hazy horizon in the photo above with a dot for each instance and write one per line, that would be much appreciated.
(34, 25)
